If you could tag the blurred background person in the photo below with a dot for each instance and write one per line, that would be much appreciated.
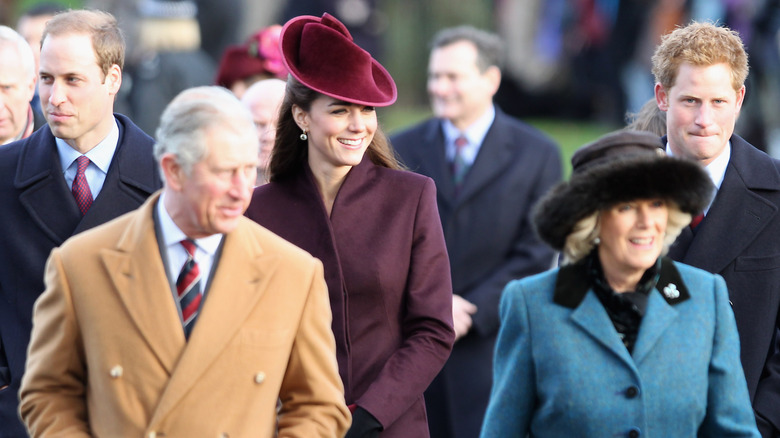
(338, 192)
(168, 59)
(649, 118)
(489, 169)
(619, 341)
(30, 25)
(256, 59)
(264, 99)
(17, 86)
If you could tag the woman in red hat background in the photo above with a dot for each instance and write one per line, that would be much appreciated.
(258, 58)
(338, 192)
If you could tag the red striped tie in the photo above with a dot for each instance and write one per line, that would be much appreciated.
(696, 220)
(188, 288)
(80, 187)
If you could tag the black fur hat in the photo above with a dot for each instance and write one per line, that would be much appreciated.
(618, 167)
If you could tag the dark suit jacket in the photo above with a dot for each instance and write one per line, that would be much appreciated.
(487, 227)
(740, 240)
(39, 213)
(388, 279)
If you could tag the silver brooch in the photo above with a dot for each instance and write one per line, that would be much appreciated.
(671, 291)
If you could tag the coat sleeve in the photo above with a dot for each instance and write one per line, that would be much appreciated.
(514, 386)
(53, 390)
(728, 403)
(312, 395)
(428, 335)
(528, 254)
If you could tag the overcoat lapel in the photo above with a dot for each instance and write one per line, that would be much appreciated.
(715, 245)
(658, 317)
(591, 317)
(494, 156)
(434, 162)
(43, 191)
(240, 279)
(136, 269)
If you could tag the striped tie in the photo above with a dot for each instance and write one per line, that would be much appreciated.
(188, 288)
(459, 165)
(80, 187)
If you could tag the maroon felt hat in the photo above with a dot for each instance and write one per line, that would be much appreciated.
(320, 53)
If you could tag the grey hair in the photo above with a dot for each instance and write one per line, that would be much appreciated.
(582, 239)
(8, 35)
(190, 115)
(490, 47)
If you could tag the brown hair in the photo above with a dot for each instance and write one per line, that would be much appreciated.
(649, 118)
(107, 40)
(700, 44)
(290, 153)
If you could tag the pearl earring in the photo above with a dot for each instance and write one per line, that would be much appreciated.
(596, 241)
(303, 136)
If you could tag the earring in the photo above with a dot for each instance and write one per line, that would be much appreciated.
(303, 136)
(596, 241)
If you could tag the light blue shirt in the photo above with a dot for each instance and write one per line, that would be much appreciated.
(99, 160)
(475, 134)
(716, 169)
(172, 235)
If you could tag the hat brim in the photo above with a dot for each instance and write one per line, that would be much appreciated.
(681, 181)
(332, 73)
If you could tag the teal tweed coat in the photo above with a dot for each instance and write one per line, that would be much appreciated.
(561, 369)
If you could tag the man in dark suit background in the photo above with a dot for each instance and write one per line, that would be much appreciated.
(700, 72)
(489, 170)
(81, 62)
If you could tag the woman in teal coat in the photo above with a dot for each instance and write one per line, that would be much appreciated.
(619, 341)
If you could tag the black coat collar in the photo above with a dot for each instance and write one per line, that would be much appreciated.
(573, 283)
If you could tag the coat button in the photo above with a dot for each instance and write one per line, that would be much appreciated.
(116, 372)
(260, 377)
(152, 434)
(632, 391)
(634, 433)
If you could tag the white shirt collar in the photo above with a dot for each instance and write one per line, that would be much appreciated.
(717, 167)
(172, 234)
(475, 134)
(100, 155)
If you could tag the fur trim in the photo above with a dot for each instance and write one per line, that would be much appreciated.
(621, 179)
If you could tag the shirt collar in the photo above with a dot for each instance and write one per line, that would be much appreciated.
(475, 133)
(100, 155)
(717, 168)
(172, 234)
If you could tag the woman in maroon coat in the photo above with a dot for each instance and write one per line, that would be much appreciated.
(337, 191)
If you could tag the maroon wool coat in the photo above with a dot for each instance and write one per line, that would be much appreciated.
(388, 277)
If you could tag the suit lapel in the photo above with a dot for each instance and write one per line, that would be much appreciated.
(240, 279)
(591, 317)
(136, 269)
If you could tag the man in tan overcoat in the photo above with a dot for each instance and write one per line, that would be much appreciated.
(121, 348)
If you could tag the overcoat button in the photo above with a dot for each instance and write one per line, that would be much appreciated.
(260, 377)
(632, 391)
(152, 434)
(633, 433)
(116, 371)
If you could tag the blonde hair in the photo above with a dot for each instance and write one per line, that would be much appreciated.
(582, 238)
(700, 44)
